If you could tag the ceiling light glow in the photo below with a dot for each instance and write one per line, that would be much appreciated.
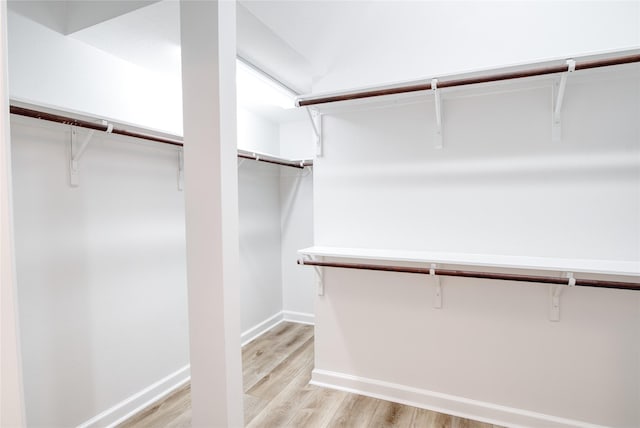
(254, 89)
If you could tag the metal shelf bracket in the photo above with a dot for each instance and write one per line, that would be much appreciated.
(556, 292)
(437, 302)
(316, 124)
(438, 102)
(319, 277)
(77, 150)
(556, 129)
(181, 169)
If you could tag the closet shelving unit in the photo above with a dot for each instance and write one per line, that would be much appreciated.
(97, 124)
(473, 79)
(557, 272)
(382, 260)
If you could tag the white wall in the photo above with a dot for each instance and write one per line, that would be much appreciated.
(256, 133)
(260, 272)
(112, 321)
(499, 186)
(260, 243)
(400, 41)
(100, 268)
(296, 220)
(48, 68)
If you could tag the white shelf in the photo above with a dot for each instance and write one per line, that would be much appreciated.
(606, 267)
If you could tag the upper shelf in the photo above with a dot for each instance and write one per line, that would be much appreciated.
(631, 56)
(606, 267)
(99, 124)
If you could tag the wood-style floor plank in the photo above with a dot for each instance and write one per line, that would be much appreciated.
(175, 411)
(260, 357)
(318, 405)
(390, 414)
(276, 372)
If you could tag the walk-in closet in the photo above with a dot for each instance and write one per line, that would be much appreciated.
(320, 213)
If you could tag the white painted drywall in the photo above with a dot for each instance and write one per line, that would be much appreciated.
(297, 139)
(296, 191)
(115, 245)
(107, 86)
(97, 386)
(256, 133)
(400, 41)
(260, 272)
(48, 68)
(100, 269)
(296, 223)
(499, 186)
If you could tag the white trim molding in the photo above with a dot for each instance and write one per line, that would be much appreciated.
(162, 388)
(443, 403)
(299, 317)
(260, 329)
(271, 322)
(139, 401)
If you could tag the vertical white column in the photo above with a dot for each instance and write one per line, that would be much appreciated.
(11, 396)
(211, 192)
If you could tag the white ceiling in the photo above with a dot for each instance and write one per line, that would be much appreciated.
(320, 31)
(148, 36)
(69, 16)
(337, 44)
(295, 42)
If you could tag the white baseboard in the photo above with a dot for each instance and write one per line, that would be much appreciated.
(299, 317)
(160, 389)
(443, 403)
(261, 328)
(271, 322)
(137, 402)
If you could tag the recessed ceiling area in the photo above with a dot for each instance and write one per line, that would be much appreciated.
(147, 33)
(337, 45)
(69, 16)
(148, 36)
(354, 43)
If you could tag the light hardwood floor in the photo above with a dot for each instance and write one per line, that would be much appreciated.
(277, 369)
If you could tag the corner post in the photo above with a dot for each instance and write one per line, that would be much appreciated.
(11, 390)
(208, 40)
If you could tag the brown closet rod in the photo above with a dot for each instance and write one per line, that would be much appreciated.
(309, 101)
(89, 125)
(483, 275)
(21, 111)
(262, 158)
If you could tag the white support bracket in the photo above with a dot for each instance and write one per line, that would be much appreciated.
(556, 130)
(180, 169)
(319, 277)
(437, 302)
(438, 102)
(78, 149)
(556, 292)
(316, 124)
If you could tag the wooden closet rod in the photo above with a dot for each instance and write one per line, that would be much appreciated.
(89, 125)
(268, 159)
(584, 65)
(22, 111)
(483, 275)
